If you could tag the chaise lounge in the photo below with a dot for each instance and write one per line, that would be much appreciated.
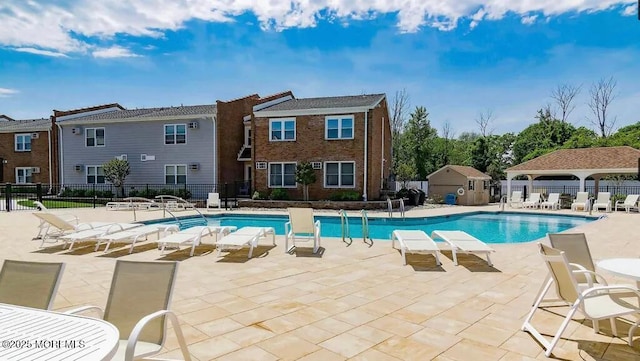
(414, 241)
(463, 242)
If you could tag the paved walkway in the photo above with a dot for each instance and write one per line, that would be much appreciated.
(355, 303)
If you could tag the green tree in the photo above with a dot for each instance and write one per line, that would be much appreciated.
(547, 134)
(582, 138)
(629, 135)
(116, 171)
(305, 175)
(420, 136)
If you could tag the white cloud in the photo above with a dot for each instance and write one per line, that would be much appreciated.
(64, 26)
(6, 92)
(54, 54)
(528, 20)
(630, 10)
(113, 52)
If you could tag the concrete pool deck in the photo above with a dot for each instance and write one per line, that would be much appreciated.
(350, 303)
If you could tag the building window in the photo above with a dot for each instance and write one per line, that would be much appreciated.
(471, 185)
(247, 136)
(485, 184)
(175, 134)
(282, 175)
(95, 174)
(23, 142)
(282, 129)
(94, 137)
(338, 127)
(24, 175)
(175, 174)
(339, 174)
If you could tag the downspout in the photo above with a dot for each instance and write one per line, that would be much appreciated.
(366, 137)
(382, 155)
(61, 153)
(50, 158)
(215, 155)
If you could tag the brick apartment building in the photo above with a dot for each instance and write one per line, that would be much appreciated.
(347, 139)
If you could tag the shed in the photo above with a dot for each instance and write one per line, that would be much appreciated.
(470, 185)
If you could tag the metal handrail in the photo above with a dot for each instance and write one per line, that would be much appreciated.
(344, 222)
(390, 207)
(503, 201)
(401, 207)
(178, 199)
(365, 228)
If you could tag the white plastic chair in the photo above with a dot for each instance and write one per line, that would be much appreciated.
(603, 201)
(582, 200)
(630, 202)
(301, 228)
(138, 305)
(553, 202)
(596, 303)
(533, 201)
(213, 201)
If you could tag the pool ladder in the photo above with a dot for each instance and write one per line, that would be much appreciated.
(390, 207)
(346, 233)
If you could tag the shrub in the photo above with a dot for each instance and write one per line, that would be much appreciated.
(279, 194)
(346, 196)
(259, 195)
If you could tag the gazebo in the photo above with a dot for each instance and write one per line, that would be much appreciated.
(581, 163)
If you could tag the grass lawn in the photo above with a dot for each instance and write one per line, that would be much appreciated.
(57, 204)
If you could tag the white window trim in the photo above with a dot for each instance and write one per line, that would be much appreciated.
(175, 134)
(269, 174)
(25, 169)
(340, 162)
(339, 118)
(15, 143)
(86, 173)
(283, 120)
(86, 130)
(247, 137)
(186, 176)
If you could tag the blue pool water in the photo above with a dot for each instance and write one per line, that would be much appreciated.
(491, 227)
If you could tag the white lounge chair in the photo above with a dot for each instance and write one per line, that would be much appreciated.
(414, 241)
(135, 234)
(138, 305)
(193, 236)
(245, 236)
(30, 284)
(516, 199)
(596, 303)
(630, 202)
(603, 201)
(54, 226)
(213, 201)
(463, 242)
(581, 201)
(301, 228)
(533, 201)
(553, 202)
(87, 234)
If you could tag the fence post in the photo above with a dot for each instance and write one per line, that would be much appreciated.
(39, 192)
(226, 196)
(94, 195)
(8, 197)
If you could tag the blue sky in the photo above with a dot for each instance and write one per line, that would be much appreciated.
(457, 58)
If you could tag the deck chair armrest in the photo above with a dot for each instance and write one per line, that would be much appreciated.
(317, 227)
(137, 329)
(287, 228)
(82, 309)
(598, 290)
(590, 275)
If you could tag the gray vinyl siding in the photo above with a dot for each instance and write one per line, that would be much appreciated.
(141, 137)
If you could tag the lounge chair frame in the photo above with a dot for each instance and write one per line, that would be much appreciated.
(414, 241)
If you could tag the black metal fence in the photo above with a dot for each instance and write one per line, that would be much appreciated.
(22, 196)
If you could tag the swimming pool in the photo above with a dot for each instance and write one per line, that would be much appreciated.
(491, 227)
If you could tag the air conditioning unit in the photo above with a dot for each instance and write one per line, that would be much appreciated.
(35, 170)
(194, 166)
(146, 157)
(316, 165)
(193, 125)
(76, 131)
(78, 167)
(35, 135)
(121, 157)
(261, 165)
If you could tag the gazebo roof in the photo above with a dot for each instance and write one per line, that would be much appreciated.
(596, 160)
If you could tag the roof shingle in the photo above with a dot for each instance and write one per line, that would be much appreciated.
(623, 157)
(146, 113)
(28, 125)
(349, 101)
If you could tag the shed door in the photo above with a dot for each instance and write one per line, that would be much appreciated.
(478, 192)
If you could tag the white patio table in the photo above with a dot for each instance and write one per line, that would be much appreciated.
(34, 334)
(625, 267)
